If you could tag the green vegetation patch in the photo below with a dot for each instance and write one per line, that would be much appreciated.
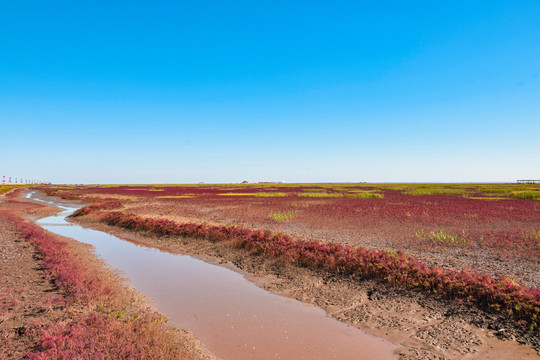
(320, 195)
(5, 188)
(441, 236)
(516, 191)
(532, 195)
(486, 197)
(352, 190)
(536, 236)
(260, 194)
(365, 195)
(494, 190)
(270, 194)
(174, 197)
(435, 191)
(281, 216)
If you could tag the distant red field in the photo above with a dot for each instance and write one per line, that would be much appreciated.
(484, 227)
(476, 245)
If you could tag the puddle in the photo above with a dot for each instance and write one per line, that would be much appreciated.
(234, 318)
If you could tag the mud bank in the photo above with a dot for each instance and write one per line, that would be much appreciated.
(233, 317)
(426, 326)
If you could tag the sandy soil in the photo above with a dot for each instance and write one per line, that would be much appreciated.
(427, 327)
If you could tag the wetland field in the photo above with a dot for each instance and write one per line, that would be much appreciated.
(271, 270)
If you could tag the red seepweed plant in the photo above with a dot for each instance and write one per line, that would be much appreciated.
(101, 320)
(109, 205)
(521, 303)
(500, 225)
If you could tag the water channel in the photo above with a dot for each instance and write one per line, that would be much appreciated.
(233, 317)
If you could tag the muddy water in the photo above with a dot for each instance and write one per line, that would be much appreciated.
(232, 316)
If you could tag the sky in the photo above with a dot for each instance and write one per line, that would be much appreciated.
(293, 91)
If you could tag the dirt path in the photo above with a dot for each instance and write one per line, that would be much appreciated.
(426, 327)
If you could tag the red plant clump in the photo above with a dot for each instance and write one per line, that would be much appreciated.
(395, 205)
(499, 224)
(109, 205)
(100, 336)
(67, 271)
(521, 303)
(53, 191)
(106, 326)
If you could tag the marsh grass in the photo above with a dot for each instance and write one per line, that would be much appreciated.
(174, 197)
(494, 190)
(358, 190)
(365, 195)
(435, 191)
(441, 236)
(270, 194)
(320, 195)
(281, 216)
(5, 188)
(531, 195)
(259, 194)
(485, 197)
(536, 237)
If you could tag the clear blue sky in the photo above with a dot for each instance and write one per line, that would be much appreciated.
(225, 91)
